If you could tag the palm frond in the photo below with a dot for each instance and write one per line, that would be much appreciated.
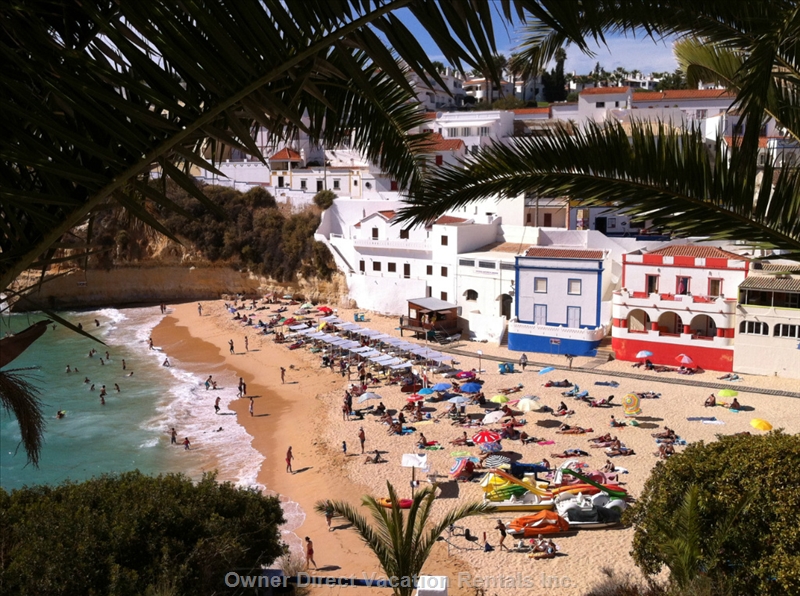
(655, 172)
(22, 399)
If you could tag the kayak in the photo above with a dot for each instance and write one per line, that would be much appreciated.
(404, 503)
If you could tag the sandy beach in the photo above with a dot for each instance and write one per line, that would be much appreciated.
(305, 413)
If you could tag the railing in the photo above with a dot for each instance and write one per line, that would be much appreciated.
(552, 331)
(401, 244)
(673, 302)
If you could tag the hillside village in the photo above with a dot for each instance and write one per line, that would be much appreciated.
(544, 274)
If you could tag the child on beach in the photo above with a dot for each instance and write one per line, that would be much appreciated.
(216, 405)
(186, 444)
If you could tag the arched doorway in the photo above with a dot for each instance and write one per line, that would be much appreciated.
(505, 306)
(638, 321)
(703, 326)
(670, 322)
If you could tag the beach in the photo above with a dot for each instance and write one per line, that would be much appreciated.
(305, 413)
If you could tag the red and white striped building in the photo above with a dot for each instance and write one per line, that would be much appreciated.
(678, 300)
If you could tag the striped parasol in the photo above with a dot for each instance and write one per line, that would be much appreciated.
(494, 461)
(631, 404)
(486, 436)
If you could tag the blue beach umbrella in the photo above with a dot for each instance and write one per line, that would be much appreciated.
(491, 447)
(442, 387)
(546, 370)
(471, 388)
(426, 391)
(458, 399)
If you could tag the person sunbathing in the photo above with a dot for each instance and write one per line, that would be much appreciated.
(563, 412)
(566, 429)
(660, 369)
(422, 442)
(509, 390)
(564, 383)
(664, 451)
(513, 423)
(601, 438)
(603, 444)
(525, 438)
(616, 423)
(648, 395)
(462, 440)
(667, 433)
(711, 401)
(649, 365)
(619, 449)
(567, 453)
(396, 429)
(603, 403)
(509, 412)
(401, 418)
(735, 405)
(609, 467)
(381, 409)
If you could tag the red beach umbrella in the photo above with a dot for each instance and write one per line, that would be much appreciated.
(415, 397)
(684, 359)
(486, 436)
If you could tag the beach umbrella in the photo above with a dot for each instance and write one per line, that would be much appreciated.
(760, 424)
(684, 359)
(631, 405)
(485, 436)
(494, 461)
(546, 370)
(307, 305)
(491, 447)
(287, 296)
(368, 395)
(325, 309)
(426, 391)
(471, 388)
(415, 397)
(458, 399)
(500, 399)
(527, 404)
(462, 466)
(442, 387)
(493, 417)
(728, 393)
(465, 374)
(644, 354)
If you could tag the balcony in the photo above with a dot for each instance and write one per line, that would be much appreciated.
(671, 302)
(423, 245)
(558, 332)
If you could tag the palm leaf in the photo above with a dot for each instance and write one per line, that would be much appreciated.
(22, 399)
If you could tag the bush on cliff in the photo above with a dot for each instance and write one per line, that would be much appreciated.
(134, 534)
(759, 552)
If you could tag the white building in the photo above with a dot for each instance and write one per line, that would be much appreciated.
(768, 334)
(436, 97)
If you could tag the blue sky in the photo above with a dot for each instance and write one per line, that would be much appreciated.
(642, 54)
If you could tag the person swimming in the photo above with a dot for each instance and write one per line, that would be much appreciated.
(60, 414)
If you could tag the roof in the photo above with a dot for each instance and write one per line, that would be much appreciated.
(449, 219)
(765, 282)
(386, 214)
(521, 111)
(432, 303)
(438, 143)
(696, 251)
(682, 94)
(286, 154)
(564, 253)
(430, 116)
(605, 90)
(762, 141)
(785, 266)
(509, 247)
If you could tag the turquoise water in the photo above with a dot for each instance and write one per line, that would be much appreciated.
(131, 431)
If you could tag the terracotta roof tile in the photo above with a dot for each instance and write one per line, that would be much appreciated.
(563, 253)
(449, 219)
(697, 251)
(793, 267)
(507, 247)
(438, 143)
(764, 282)
(521, 111)
(605, 90)
(762, 141)
(286, 154)
(388, 214)
(681, 94)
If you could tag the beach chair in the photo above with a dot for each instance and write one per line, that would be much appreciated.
(359, 317)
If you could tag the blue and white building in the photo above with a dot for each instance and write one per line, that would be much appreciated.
(559, 301)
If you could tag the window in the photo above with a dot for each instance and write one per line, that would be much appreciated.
(444, 271)
(374, 233)
(483, 131)
(540, 285)
(507, 266)
(404, 234)
(754, 328)
(355, 182)
(600, 104)
(616, 104)
(336, 185)
(466, 131)
(700, 113)
(612, 222)
(393, 185)
(466, 262)
(428, 292)
(429, 270)
(471, 295)
(783, 330)
(527, 218)
(548, 220)
(376, 265)
(474, 150)
(444, 296)
(406, 270)
(280, 181)
(651, 284)
(574, 287)
(439, 160)
(391, 267)
(786, 300)
(452, 132)
(319, 185)
(444, 240)
(715, 287)
(303, 184)
(361, 266)
(682, 285)
(487, 264)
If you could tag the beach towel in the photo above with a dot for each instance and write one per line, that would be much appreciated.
(408, 431)
(620, 470)
(546, 443)
(425, 422)
(459, 453)
(700, 418)
(433, 448)
(607, 383)
(713, 422)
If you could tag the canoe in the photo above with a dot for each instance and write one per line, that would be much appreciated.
(404, 503)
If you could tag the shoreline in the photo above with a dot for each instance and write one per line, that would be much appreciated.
(285, 414)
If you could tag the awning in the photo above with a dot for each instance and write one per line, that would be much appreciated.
(371, 354)
(350, 327)
(362, 350)
(349, 345)
(465, 123)
(369, 332)
(297, 327)
(399, 366)
(381, 359)
(306, 331)
(394, 341)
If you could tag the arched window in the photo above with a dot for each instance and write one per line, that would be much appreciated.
(754, 328)
(471, 295)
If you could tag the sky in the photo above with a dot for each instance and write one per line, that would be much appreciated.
(642, 54)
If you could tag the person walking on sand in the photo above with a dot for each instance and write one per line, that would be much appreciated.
(199, 309)
(173, 436)
(289, 458)
(523, 361)
(501, 527)
(230, 345)
(246, 344)
(216, 405)
(310, 553)
(150, 341)
(283, 375)
(250, 407)
(241, 388)
(344, 447)
(186, 444)
(361, 438)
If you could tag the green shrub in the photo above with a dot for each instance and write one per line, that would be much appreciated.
(761, 553)
(324, 199)
(134, 534)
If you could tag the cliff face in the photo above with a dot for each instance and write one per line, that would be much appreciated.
(133, 285)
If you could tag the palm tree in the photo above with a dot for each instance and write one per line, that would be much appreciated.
(100, 96)
(656, 172)
(402, 540)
